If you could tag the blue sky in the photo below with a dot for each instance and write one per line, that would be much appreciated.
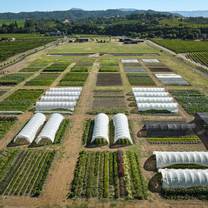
(47, 5)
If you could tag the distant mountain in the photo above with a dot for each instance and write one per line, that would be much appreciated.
(76, 14)
(193, 13)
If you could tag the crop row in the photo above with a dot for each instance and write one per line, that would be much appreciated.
(28, 173)
(199, 57)
(108, 175)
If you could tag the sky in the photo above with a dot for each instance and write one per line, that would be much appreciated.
(49, 5)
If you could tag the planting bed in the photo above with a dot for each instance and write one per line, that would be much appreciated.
(80, 68)
(27, 174)
(191, 100)
(20, 100)
(56, 67)
(108, 79)
(111, 175)
(133, 69)
(44, 79)
(140, 79)
(74, 79)
(5, 124)
(175, 140)
(159, 69)
(13, 79)
(108, 101)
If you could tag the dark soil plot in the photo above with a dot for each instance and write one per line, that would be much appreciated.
(108, 175)
(191, 100)
(20, 100)
(13, 79)
(28, 173)
(44, 79)
(108, 79)
(74, 79)
(109, 105)
(140, 79)
(133, 69)
(108, 93)
(57, 67)
(159, 69)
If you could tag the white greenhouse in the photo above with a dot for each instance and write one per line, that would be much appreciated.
(29, 132)
(151, 94)
(148, 89)
(184, 178)
(154, 99)
(44, 106)
(121, 126)
(60, 93)
(129, 61)
(165, 159)
(66, 89)
(150, 60)
(58, 98)
(101, 128)
(172, 107)
(48, 133)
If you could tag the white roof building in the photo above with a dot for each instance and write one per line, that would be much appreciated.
(121, 126)
(48, 133)
(29, 132)
(184, 178)
(165, 159)
(101, 128)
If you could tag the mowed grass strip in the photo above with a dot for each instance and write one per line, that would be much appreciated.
(44, 79)
(13, 79)
(109, 79)
(74, 79)
(140, 79)
(191, 100)
(21, 100)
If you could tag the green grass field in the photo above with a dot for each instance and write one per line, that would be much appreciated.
(20, 23)
(183, 46)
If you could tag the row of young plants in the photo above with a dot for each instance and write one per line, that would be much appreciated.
(191, 100)
(110, 175)
(28, 173)
(5, 124)
(56, 67)
(199, 57)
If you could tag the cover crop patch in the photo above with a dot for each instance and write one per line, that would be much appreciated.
(140, 79)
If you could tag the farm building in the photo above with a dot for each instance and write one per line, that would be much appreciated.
(167, 129)
(166, 159)
(48, 133)
(129, 61)
(184, 178)
(148, 89)
(29, 132)
(101, 129)
(122, 133)
(59, 99)
(150, 61)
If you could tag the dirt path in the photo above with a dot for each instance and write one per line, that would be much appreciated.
(61, 175)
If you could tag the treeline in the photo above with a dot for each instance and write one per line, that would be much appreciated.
(146, 25)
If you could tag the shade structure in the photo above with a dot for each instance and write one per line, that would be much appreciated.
(150, 60)
(129, 61)
(148, 89)
(66, 89)
(168, 129)
(60, 93)
(101, 128)
(59, 98)
(151, 94)
(43, 106)
(29, 132)
(154, 99)
(172, 107)
(184, 178)
(48, 133)
(121, 126)
(166, 159)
